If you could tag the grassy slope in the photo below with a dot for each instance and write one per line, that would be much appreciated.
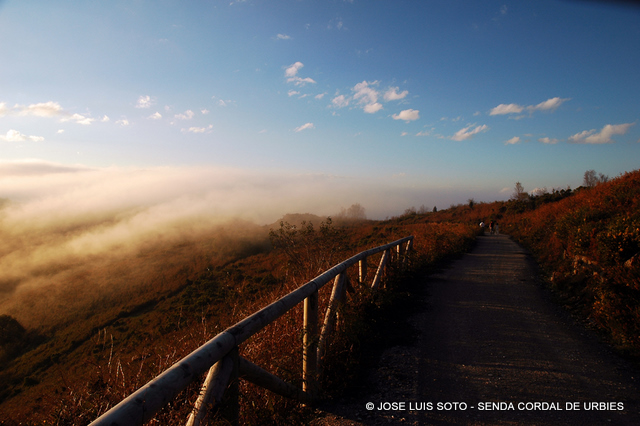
(94, 358)
(581, 238)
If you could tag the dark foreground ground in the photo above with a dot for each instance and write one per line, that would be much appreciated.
(490, 347)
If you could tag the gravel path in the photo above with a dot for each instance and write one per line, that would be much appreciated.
(492, 348)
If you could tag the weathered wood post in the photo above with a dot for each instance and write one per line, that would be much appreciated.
(213, 389)
(362, 269)
(383, 262)
(330, 318)
(310, 343)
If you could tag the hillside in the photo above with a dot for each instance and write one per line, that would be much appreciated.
(96, 356)
(169, 298)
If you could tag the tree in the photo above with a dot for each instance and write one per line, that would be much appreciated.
(519, 193)
(355, 212)
(591, 179)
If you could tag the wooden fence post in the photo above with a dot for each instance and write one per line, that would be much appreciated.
(362, 268)
(213, 389)
(310, 343)
(330, 317)
(378, 277)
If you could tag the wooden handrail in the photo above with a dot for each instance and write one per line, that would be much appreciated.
(142, 405)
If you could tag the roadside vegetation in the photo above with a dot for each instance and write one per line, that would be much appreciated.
(102, 350)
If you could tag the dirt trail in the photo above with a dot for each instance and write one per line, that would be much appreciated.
(489, 333)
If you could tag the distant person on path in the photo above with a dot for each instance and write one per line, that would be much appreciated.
(491, 227)
(482, 228)
(497, 228)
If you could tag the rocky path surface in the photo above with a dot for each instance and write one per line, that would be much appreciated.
(491, 348)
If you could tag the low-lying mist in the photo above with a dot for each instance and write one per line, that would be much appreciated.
(74, 238)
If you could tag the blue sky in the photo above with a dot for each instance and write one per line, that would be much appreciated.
(388, 103)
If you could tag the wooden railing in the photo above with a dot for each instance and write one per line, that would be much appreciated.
(220, 355)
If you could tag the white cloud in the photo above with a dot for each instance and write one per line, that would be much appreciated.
(283, 37)
(503, 109)
(305, 127)
(124, 122)
(60, 131)
(204, 111)
(407, 115)
(292, 93)
(80, 119)
(16, 136)
(548, 105)
(187, 115)
(105, 119)
(404, 134)
(155, 116)
(144, 102)
(603, 136)
(293, 69)
(367, 96)
(320, 96)
(372, 108)
(423, 133)
(45, 109)
(198, 129)
(514, 140)
(340, 101)
(291, 72)
(393, 95)
(548, 140)
(467, 132)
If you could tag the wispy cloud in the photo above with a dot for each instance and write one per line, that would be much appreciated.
(187, 115)
(407, 115)
(548, 141)
(549, 105)
(392, 94)
(283, 37)
(340, 101)
(16, 136)
(145, 101)
(291, 73)
(514, 140)
(77, 118)
(305, 127)
(504, 109)
(603, 136)
(367, 96)
(468, 132)
(198, 129)
(45, 109)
